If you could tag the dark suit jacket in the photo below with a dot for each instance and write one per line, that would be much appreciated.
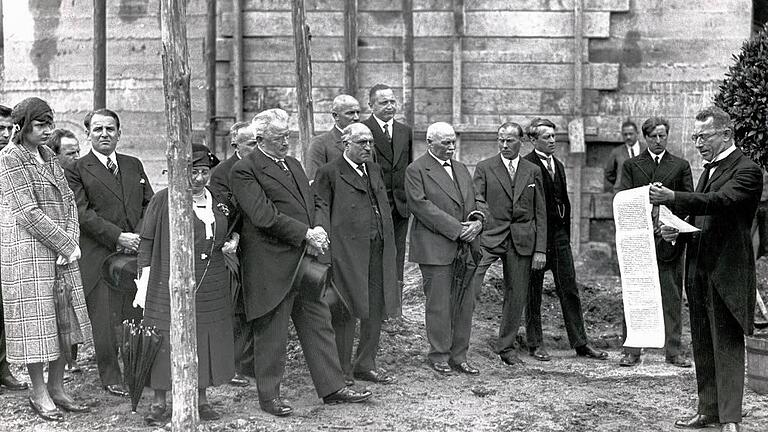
(554, 220)
(517, 210)
(674, 173)
(394, 159)
(438, 208)
(277, 211)
(349, 201)
(614, 164)
(723, 209)
(106, 207)
(323, 148)
(219, 182)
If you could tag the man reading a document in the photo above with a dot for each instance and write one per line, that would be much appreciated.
(720, 276)
(657, 165)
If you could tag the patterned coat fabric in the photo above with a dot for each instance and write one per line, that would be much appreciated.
(38, 222)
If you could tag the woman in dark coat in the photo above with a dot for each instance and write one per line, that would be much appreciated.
(215, 342)
(40, 231)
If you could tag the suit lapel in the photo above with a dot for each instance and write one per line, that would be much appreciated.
(437, 173)
(270, 168)
(303, 187)
(522, 177)
(102, 174)
(398, 138)
(722, 167)
(501, 172)
(129, 178)
(348, 174)
(380, 140)
(665, 168)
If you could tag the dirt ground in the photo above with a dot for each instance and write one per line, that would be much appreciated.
(566, 394)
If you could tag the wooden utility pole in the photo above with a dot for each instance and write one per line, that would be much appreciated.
(176, 77)
(237, 59)
(408, 62)
(210, 77)
(458, 37)
(99, 54)
(303, 75)
(576, 125)
(350, 47)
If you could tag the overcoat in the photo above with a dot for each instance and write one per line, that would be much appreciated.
(347, 196)
(394, 158)
(277, 210)
(38, 222)
(323, 149)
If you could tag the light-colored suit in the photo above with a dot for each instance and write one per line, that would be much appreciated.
(614, 164)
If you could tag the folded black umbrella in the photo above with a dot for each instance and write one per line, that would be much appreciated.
(463, 270)
(140, 347)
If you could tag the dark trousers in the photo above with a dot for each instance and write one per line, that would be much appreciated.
(560, 261)
(718, 351)
(107, 309)
(517, 276)
(448, 335)
(243, 344)
(312, 320)
(370, 327)
(401, 232)
(671, 280)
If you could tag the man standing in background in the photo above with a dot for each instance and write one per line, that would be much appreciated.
(327, 147)
(629, 149)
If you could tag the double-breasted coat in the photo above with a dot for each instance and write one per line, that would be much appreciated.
(38, 222)
(347, 196)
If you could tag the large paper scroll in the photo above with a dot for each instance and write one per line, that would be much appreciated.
(636, 251)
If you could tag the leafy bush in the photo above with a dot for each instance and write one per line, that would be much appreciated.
(744, 95)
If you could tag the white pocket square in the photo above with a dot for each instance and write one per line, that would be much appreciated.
(141, 181)
(532, 185)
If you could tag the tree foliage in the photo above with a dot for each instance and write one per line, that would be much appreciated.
(744, 95)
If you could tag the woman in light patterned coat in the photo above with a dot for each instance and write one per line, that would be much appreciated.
(39, 231)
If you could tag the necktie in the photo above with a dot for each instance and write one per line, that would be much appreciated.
(112, 167)
(386, 132)
(511, 169)
(447, 166)
(550, 170)
(282, 165)
(361, 168)
(631, 152)
(656, 159)
(705, 176)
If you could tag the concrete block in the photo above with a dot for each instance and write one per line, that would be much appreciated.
(597, 205)
(510, 102)
(546, 5)
(602, 230)
(591, 179)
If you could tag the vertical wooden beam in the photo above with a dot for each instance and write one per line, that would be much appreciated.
(303, 75)
(176, 77)
(577, 123)
(99, 54)
(458, 36)
(210, 76)
(408, 111)
(2, 50)
(350, 47)
(237, 59)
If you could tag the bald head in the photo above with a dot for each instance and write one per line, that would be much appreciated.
(441, 140)
(345, 110)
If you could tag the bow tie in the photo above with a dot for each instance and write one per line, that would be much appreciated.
(710, 165)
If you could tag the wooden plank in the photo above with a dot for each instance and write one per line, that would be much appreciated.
(303, 74)
(350, 47)
(526, 76)
(547, 5)
(517, 102)
(674, 73)
(650, 51)
(535, 24)
(236, 68)
(407, 64)
(667, 23)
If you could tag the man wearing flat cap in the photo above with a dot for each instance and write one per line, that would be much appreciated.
(362, 250)
(112, 191)
(282, 220)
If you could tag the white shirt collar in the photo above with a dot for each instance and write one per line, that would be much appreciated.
(544, 155)
(338, 128)
(440, 161)
(660, 155)
(270, 156)
(635, 148)
(725, 153)
(382, 123)
(514, 161)
(103, 159)
(355, 166)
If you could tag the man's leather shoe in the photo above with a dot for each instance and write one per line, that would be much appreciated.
(629, 360)
(71, 406)
(49, 415)
(379, 377)
(441, 367)
(11, 383)
(679, 361)
(540, 354)
(588, 351)
(239, 380)
(347, 395)
(117, 390)
(511, 359)
(276, 407)
(697, 421)
(464, 368)
(730, 427)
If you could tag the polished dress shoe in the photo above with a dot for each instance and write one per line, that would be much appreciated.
(729, 427)
(540, 354)
(276, 407)
(464, 368)
(11, 383)
(71, 406)
(117, 390)
(347, 395)
(48, 415)
(207, 413)
(588, 351)
(379, 377)
(629, 360)
(442, 367)
(239, 380)
(511, 359)
(697, 421)
(679, 361)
